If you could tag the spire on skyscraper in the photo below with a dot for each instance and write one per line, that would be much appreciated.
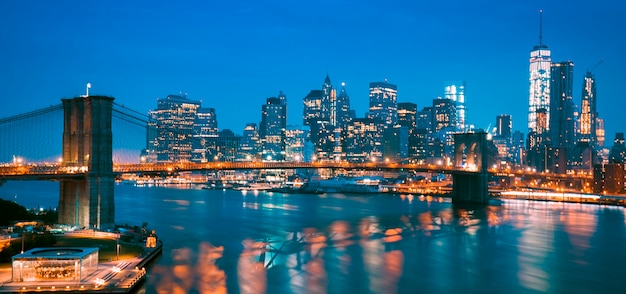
(540, 26)
(327, 80)
(541, 45)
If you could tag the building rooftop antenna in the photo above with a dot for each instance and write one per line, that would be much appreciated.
(540, 26)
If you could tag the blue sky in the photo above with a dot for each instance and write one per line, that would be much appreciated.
(232, 55)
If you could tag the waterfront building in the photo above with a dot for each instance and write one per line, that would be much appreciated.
(407, 117)
(297, 144)
(418, 146)
(539, 97)
(225, 146)
(425, 134)
(363, 141)
(249, 145)
(272, 128)
(455, 91)
(383, 107)
(58, 264)
(445, 124)
(609, 178)
(396, 143)
(204, 127)
(171, 129)
(323, 138)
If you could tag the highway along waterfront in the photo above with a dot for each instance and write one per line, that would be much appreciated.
(230, 241)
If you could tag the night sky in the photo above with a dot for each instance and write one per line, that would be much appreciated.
(232, 55)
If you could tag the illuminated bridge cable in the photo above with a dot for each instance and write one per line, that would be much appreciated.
(136, 113)
(34, 113)
(33, 136)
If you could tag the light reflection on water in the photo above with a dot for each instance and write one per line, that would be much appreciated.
(228, 242)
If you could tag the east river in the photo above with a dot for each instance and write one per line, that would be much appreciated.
(230, 241)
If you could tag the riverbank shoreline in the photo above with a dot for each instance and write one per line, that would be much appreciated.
(120, 276)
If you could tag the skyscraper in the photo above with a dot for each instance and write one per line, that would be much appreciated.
(539, 98)
(204, 127)
(383, 103)
(171, 129)
(562, 123)
(588, 114)
(407, 115)
(272, 128)
(445, 124)
(312, 108)
(296, 142)
(249, 144)
(364, 141)
(618, 151)
(445, 114)
(455, 91)
(343, 108)
(329, 102)
(504, 126)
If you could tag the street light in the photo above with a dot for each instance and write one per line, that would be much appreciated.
(118, 246)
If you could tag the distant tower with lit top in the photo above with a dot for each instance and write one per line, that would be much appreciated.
(539, 98)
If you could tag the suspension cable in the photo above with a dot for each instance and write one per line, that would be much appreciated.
(32, 114)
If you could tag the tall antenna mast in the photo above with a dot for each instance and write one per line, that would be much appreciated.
(540, 26)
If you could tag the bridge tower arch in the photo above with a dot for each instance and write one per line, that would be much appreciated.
(87, 146)
(471, 153)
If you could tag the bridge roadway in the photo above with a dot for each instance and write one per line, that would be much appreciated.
(57, 171)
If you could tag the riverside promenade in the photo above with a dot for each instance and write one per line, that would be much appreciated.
(122, 276)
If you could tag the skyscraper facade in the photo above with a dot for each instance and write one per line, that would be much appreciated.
(312, 108)
(296, 141)
(455, 91)
(504, 126)
(172, 125)
(383, 103)
(445, 125)
(249, 145)
(344, 115)
(588, 114)
(364, 141)
(562, 122)
(407, 115)
(539, 94)
(204, 127)
(272, 129)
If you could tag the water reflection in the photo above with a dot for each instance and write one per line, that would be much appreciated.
(192, 274)
(386, 244)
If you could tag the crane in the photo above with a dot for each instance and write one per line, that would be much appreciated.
(595, 66)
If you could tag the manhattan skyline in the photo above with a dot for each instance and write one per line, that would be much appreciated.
(230, 55)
